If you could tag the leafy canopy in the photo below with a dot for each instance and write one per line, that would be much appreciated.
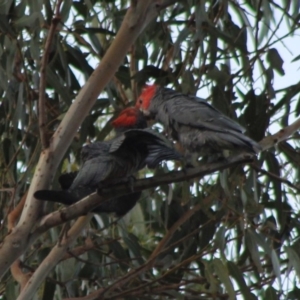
(231, 234)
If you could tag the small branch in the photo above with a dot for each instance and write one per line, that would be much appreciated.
(56, 254)
(79, 250)
(15, 269)
(18, 275)
(121, 91)
(139, 9)
(274, 176)
(133, 71)
(15, 213)
(283, 134)
(42, 87)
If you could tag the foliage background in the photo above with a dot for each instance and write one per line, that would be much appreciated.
(229, 235)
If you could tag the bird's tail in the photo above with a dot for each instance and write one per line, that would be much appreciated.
(64, 197)
(65, 180)
(245, 142)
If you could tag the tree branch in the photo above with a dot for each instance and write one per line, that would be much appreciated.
(274, 176)
(283, 134)
(42, 87)
(18, 274)
(15, 213)
(52, 259)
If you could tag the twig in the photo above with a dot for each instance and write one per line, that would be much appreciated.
(281, 135)
(18, 275)
(121, 91)
(89, 244)
(15, 213)
(42, 87)
(274, 176)
(133, 71)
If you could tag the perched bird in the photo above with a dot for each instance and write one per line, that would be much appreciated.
(109, 162)
(196, 125)
(119, 205)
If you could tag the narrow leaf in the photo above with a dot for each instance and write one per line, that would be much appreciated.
(236, 273)
(271, 294)
(253, 249)
(223, 274)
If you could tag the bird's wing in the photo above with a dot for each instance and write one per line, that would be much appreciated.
(192, 111)
(93, 171)
(94, 150)
(116, 143)
(146, 145)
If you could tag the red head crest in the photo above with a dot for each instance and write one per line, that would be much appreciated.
(130, 117)
(144, 99)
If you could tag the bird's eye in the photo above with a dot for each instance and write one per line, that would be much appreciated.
(140, 101)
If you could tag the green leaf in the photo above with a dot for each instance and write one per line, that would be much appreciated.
(183, 35)
(31, 21)
(275, 60)
(55, 82)
(132, 243)
(297, 57)
(49, 290)
(5, 6)
(270, 294)
(5, 27)
(251, 244)
(220, 238)
(65, 10)
(213, 286)
(276, 266)
(239, 35)
(236, 273)
(118, 250)
(222, 272)
(68, 268)
(294, 294)
(294, 260)
(274, 167)
(187, 86)
(220, 77)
